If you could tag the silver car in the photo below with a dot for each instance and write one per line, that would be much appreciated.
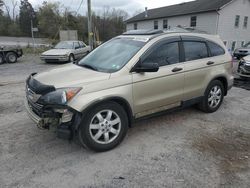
(242, 52)
(244, 67)
(66, 51)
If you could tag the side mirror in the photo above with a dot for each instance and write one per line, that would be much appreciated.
(145, 67)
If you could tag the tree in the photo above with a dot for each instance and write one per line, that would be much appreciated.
(49, 19)
(1, 7)
(26, 14)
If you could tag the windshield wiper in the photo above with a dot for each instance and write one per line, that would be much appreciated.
(88, 67)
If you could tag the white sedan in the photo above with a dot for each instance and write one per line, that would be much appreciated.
(66, 51)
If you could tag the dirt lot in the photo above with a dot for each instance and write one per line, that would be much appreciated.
(183, 149)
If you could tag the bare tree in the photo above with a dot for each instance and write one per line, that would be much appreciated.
(7, 9)
(14, 5)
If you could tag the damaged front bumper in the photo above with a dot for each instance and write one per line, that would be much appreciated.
(46, 116)
(63, 119)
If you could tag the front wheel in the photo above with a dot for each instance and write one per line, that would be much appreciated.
(213, 98)
(71, 58)
(103, 127)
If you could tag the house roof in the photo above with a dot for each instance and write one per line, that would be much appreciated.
(192, 7)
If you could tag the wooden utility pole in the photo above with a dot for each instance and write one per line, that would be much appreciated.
(90, 31)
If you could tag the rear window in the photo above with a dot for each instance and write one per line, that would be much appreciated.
(215, 49)
(195, 50)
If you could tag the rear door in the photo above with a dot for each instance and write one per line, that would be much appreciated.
(160, 90)
(198, 66)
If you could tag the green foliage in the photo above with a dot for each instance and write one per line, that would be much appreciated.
(49, 19)
(26, 14)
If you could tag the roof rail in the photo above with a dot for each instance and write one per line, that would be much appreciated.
(143, 32)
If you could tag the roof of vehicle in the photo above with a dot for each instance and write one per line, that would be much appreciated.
(197, 6)
(145, 35)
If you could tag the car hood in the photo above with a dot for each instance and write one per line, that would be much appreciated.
(57, 52)
(70, 75)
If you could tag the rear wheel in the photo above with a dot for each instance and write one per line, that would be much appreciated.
(213, 97)
(103, 127)
(1, 59)
(11, 57)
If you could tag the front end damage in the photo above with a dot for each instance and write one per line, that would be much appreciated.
(244, 68)
(50, 115)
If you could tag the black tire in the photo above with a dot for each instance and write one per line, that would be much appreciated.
(204, 104)
(71, 58)
(1, 59)
(11, 57)
(85, 134)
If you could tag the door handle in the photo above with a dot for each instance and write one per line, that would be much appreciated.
(177, 69)
(210, 63)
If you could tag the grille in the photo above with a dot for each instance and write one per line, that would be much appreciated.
(32, 97)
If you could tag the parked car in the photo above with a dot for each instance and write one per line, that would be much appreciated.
(66, 51)
(130, 77)
(242, 52)
(244, 67)
(10, 54)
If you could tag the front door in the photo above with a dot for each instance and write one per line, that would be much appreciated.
(158, 91)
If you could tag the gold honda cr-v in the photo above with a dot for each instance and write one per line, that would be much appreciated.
(134, 75)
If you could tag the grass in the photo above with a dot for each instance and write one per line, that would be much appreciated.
(29, 50)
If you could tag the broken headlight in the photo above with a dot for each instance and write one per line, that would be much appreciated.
(60, 96)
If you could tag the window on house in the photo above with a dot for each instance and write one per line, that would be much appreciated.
(155, 24)
(233, 45)
(237, 21)
(225, 43)
(193, 21)
(242, 43)
(245, 21)
(135, 26)
(195, 50)
(165, 24)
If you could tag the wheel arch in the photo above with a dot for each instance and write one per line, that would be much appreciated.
(119, 100)
(223, 80)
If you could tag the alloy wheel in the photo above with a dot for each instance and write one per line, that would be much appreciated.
(214, 97)
(105, 127)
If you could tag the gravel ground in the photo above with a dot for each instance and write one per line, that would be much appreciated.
(186, 148)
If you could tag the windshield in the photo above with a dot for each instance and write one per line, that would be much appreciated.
(112, 55)
(64, 45)
(247, 45)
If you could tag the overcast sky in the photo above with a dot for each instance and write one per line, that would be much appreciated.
(130, 6)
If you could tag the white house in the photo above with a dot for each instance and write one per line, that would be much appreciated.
(227, 18)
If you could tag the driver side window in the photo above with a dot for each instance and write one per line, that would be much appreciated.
(165, 54)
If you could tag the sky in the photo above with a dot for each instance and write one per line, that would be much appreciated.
(131, 6)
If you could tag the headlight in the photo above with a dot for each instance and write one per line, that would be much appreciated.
(60, 96)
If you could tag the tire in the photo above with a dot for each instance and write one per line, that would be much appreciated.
(97, 132)
(71, 58)
(11, 57)
(1, 59)
(210, 103)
